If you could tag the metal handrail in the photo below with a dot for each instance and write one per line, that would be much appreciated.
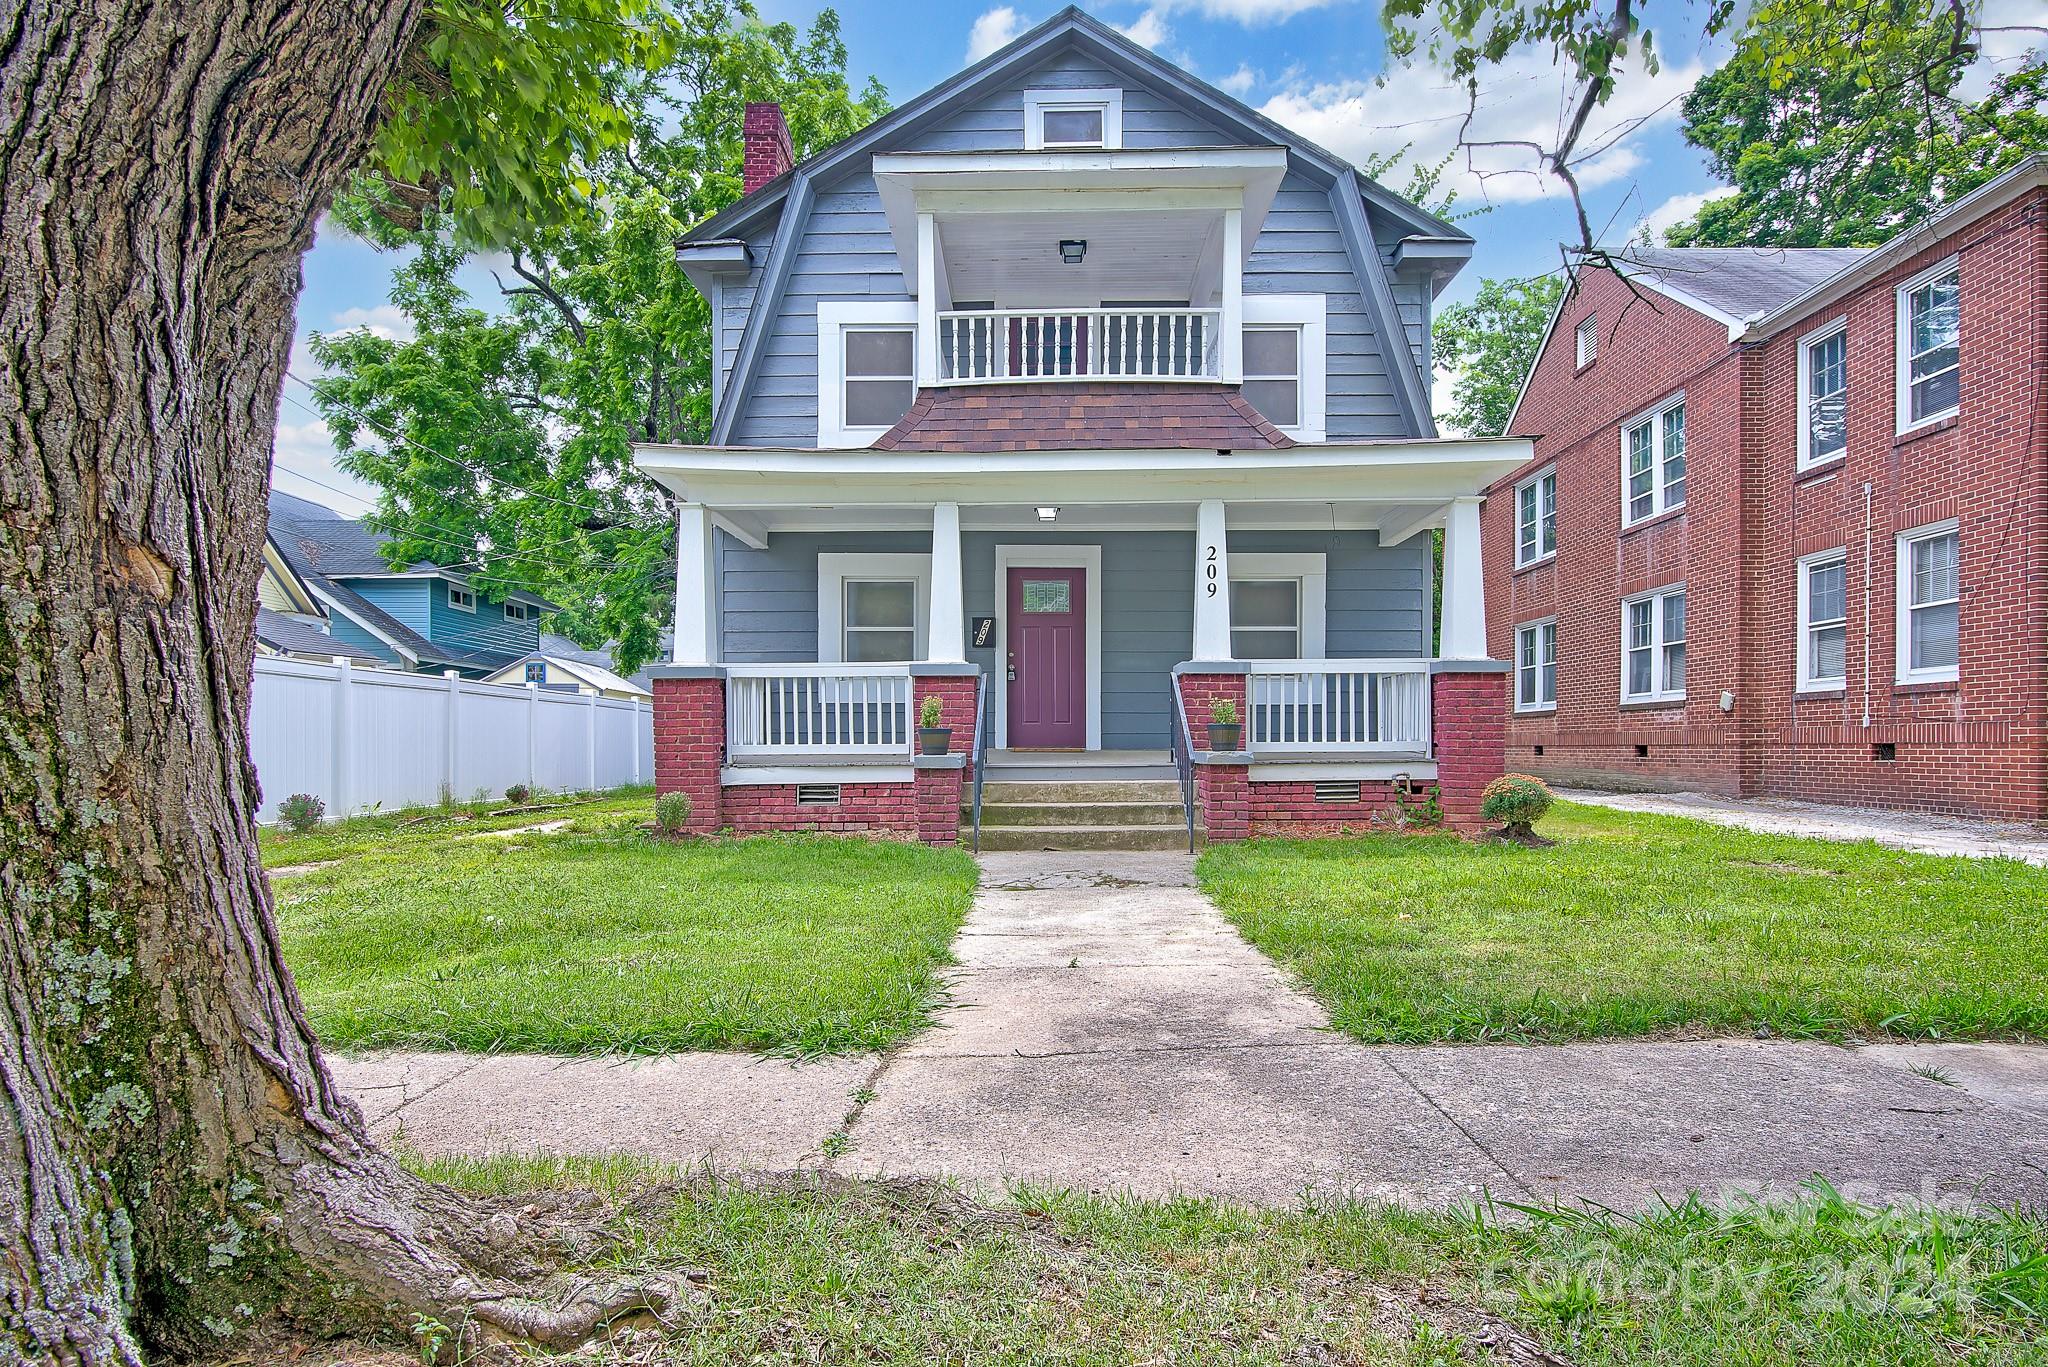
(1183, 745)
(980, 750)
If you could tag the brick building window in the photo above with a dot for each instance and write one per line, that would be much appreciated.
(1930, 345)
(1586, 340)
(1653, 462)
(1653, 647)
(1536, 666)
(1536, 518)
(1824, 621)
(1929, 603)
(1823, 394)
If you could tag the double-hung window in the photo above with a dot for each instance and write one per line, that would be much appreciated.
(1824, 621)
(1285, 365)
(1277, 605)
(1653, 463)
(872, 606)
(1823, 394)
(1536, 518)
(1272, 373)
(1653, 647)
(867, 368)
(1536, 666)
(1929, 603)
(1930, 307)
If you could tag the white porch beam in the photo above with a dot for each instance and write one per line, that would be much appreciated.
(1232, 321)
(1463, 636)
(696, 640)
(946, 636)
(748, 531)
(1402, 523)
(927, 300)
(1212, 583)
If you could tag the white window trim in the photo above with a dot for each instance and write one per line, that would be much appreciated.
(1806, 344)
(1586, 341)
(1548, 472)
(518, 612)
(834, 317)
(1311, 314)
(470, 594)
(1655, 417)
(1087, 558)
(1522, 628)
(836, 567)
(1902, 598)
(1657, 693)
(1311, 570)
(1106, 98)
(1902, 360)
(1804, 682)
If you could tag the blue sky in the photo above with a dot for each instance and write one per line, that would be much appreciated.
(1311, 64)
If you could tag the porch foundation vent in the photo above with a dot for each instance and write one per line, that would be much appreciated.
(1333, 790)
(817, 794)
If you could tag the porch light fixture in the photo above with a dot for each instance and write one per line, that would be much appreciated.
(1047, 514)
(1072, 249)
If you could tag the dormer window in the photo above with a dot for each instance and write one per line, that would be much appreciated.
(1072, 120)
(462, 600)
(518, 612)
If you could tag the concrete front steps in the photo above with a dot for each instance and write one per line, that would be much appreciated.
(1070, 814)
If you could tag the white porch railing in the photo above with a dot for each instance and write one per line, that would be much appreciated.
(1365, 705)
(1006, 345)
(791, 709)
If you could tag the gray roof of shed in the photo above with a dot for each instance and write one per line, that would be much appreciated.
(1738, 282)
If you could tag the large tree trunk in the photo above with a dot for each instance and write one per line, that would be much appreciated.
(175, 1162)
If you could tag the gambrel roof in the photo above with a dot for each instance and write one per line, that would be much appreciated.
(1358, 202)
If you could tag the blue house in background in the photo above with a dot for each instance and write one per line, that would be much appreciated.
(421, 617)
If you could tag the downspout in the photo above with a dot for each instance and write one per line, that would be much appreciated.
(1866, 604)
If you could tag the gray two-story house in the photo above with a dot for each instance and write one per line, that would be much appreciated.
(1087, 400)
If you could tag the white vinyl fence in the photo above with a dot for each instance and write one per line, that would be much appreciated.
(357, 738)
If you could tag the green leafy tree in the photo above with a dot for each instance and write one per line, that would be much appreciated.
(501, 440)
(1488, 345)
(1837, 144)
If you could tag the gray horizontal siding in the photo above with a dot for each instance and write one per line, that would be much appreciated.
(1377, 603)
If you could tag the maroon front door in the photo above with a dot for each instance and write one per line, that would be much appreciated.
(1048, 664)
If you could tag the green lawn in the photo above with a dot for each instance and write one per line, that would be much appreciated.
(406, 828)
(600, 939)
(835, 1271)
(1638, 924)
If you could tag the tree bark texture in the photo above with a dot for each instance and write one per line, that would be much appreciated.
(175, 1161)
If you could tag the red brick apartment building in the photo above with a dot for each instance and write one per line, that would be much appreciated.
(1786, 525)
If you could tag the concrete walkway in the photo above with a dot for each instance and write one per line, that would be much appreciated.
(1109, 1030)
(1781, 816)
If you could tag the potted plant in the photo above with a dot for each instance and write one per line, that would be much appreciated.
(1225, 731)
(932, 738)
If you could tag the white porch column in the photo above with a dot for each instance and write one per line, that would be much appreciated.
(1463, 636)
(696, 589)
(927, 301)
(1232, 320)
(1212, 583)
(946, 635)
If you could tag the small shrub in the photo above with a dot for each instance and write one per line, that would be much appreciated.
(1516, 801)
(1418, 807)
(931, 713)
(517, 794)
(672, 812)
(1223, 712)
(301, 812)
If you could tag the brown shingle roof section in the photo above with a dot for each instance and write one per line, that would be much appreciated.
(1082, 416)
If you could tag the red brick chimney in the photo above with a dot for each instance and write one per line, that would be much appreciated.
(767, 139)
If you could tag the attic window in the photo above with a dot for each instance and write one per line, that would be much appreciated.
(518, 612)
(462, 600)
(1587, 336)
(1064, 120)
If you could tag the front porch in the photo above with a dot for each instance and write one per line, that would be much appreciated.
(1081, 641)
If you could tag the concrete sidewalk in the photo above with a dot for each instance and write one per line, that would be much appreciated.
(1917, 831)
(1109, 1030)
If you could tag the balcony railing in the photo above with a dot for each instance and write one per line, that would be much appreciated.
(1335, 705)
(793, 709)
(998, 346)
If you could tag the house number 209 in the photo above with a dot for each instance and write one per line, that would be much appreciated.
(1209, 572)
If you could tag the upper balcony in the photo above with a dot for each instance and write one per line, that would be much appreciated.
(1096, 264)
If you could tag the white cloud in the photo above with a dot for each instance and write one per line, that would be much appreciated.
(992, 30)
(1148, 29)
(383, 320)
(1676, 209)
(1247, 12)
(1238, 81)
(2011, 32)
(303, 463)
(1523, 98)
